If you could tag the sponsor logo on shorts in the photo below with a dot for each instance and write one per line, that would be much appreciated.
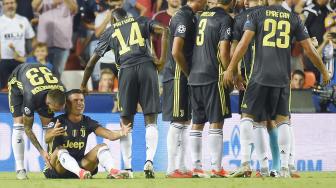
(27, 111)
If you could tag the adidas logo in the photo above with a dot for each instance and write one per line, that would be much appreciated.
(244, 106)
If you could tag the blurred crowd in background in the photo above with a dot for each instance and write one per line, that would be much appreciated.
(62, 34)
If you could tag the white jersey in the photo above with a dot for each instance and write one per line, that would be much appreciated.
(14, 31)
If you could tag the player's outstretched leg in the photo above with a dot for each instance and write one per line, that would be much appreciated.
(152, 137)
(101, 153)
(260, 146)
(196, 151)
(126, 147)
(216, 150)
(69, 163)
(18, 146)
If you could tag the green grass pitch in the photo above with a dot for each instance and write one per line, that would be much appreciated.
(37, 180)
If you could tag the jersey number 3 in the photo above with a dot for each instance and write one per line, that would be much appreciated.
(35, 80)
(200, 35)
(134, 38)
(273, 27)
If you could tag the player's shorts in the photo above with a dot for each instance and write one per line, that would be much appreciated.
(52, 174)
(15, 100)
(210, 103)
(138, 84)
(175, 99)
(259, 99)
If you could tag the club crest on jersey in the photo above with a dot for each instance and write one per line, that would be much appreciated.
(228, 31)
(181, 29)
(27, 110)
(83, 132)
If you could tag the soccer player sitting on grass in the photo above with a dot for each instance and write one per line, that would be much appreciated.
(67, 139)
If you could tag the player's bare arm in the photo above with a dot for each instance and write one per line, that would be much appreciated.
(113, 135)
(315, 58)
(163, 31)
(88, 71)
(178, 55)
(28, 125)
(237, 56)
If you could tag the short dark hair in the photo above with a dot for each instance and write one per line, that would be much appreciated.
(73, 91)
(299, 72)
(56, 96)
(119, 14)
(224, 2)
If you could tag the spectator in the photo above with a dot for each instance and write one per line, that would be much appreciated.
(14, 31)
(24, 8)
(134, 8)
(40, 54)
(1, 8)
(327, 51)
(55, 28)
(164, 18)
(298, 79)
(106, 81)
(148, 4)
(211, 3)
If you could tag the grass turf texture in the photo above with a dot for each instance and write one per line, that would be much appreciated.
(37, 180)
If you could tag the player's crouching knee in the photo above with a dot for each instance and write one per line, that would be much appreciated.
(102, 147)
(60, 151)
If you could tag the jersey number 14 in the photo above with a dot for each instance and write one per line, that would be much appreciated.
(277, 33)
(134, 38)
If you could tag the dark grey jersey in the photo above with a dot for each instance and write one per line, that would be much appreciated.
(274, 28)
(213, 26)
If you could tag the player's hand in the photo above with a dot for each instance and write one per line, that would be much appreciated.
(84, 89)
(57, 130)
(125, 129)
(228, 78)
(326, 78)
(239, 82)
(46, 158)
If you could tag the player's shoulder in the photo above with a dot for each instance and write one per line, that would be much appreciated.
(185, 12)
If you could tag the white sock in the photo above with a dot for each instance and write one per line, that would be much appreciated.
(260, 145)
(292, 147)
(284, 143)
(126, 150)
(216, 148)
(173, 140)
(196, 148)
(105, 158)
(68, 162)
(246, 138)
(181, 154)
(18, 145)
(152, 138)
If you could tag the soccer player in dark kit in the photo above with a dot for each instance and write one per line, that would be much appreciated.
(32, 87)
(175, 98)
(210, 100)
(129, 37)
(67, 136)
(272, 27)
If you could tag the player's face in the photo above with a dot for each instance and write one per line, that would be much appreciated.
(76, 103)
(174, 3)
(212, 3)
(9, 7)
(201, 4)
(297, 81)
(105, 83)
(41, 53)
(55, 107)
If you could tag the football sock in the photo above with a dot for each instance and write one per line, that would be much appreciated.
(196, 148)
(105, 158)
(246, 138)
(260, 145)
(68, 162)
(174, 134)
(292, 147)
(284, 143)
(216, 148)
(126, 150)
(273, 136)
(18, 145)
(152, 138)
(181, 152)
